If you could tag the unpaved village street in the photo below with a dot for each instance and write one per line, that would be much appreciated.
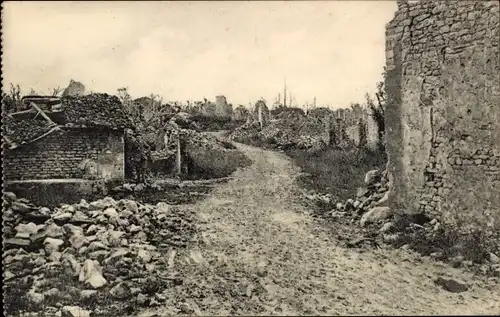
(261, 253)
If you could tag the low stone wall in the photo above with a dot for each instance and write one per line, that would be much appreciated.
(52, 194)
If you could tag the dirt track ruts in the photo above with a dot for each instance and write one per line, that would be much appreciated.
(261, 253)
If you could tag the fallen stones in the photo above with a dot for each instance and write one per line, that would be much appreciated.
(9, 197)
(74, 311)
(493, 258)
(91, 274)
(120, 291)
(375, 193)
(17, 242)
(52, 245)
(88, 293)
(375, 214)
(386, 227)
(131, 206)
(110, 212)
(451, 285)
(122, 244)
(35, 298)
(372, 176)
(70, 262)
(145, 255)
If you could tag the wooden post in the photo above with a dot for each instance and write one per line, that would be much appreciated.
(178, 156)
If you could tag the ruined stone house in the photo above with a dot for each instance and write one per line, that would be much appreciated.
(78, 138)
(443, 113)
(75, 88)
(222, 108)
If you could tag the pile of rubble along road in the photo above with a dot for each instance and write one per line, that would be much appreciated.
(274, 136)
(89, 251)
(371, 201)
(369, 205)
(371, 211)
(245, 131)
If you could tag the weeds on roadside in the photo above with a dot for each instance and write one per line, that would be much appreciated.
(337, 171)
(449, 241)
(211, 163)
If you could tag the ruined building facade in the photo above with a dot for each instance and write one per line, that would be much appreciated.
(81, 138)
(443, 112)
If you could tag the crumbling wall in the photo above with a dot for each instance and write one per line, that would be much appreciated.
(443, 114)
(72, 153)
(372, 131)
(222, 108)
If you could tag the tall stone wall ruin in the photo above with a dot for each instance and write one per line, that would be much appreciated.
(443, 112)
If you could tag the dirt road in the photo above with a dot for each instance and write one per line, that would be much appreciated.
(263, 254)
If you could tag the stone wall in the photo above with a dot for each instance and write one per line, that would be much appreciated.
(443, 114)
(222, 108)
(372, 132)
(359, 126)
(68, 153)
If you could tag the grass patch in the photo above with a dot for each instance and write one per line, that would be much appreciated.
(213, 163)
(448, 242)
(337, 171)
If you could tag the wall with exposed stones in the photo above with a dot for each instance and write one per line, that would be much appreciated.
(359, 126)
(443, 113)
(68, 153)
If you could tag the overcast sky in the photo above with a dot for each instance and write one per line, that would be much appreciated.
(333, 50)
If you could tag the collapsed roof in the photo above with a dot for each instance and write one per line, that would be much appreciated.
(19, 132)
(93, 110)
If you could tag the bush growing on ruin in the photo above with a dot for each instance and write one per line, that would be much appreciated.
(338, 172)
(378, 110)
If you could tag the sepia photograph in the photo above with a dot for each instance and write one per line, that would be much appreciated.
(250, 158)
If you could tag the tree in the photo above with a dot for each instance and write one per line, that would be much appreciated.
(133, 112)
(56, 91)
(11, 101)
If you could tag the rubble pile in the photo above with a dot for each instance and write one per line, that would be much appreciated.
(202, 141)
(245, 131)
(90, 251)
(369, 205)
(377, 223)
(291, 129)
(371, 199)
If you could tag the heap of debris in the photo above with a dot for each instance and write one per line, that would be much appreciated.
(371, 201)
(378, 223)
(89, 251)
(245, 131)
(291, 129)
(369, 205)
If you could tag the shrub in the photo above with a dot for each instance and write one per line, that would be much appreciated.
(447, 242)
(214, 163)
(336, 171)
